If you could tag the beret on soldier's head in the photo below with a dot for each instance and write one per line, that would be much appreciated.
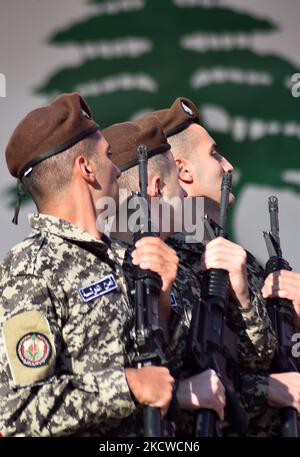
(125, 138)
(178, 117)
(48, 131)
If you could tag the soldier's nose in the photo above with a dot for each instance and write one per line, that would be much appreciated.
(226, 165)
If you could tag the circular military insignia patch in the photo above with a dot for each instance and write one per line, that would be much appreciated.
(187, 109)
(34, 350)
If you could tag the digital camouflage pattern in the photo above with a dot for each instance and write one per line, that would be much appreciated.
(253, 326)
(264, 419)
(256, 339)
(83, 389)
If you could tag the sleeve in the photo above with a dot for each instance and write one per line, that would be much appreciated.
(257, 340)
(185, 296)
(47, 386)
(254, 393)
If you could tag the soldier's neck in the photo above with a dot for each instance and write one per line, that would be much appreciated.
(79, 211)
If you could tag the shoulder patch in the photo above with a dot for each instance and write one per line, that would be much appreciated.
(34, 350)
(102, 287)
(29, 346)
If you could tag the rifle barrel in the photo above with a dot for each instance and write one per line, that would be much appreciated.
(225, 193)
(143, 169)
(274, 219)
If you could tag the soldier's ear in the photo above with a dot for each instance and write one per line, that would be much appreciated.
(84, 167)
(185, 172)
(154, 187)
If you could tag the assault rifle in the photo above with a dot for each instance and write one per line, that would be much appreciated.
(147, 292)
(280, 311)
(211, 341)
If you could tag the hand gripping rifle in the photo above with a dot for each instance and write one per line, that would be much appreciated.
(209, 334)
(147, 292)
(280, 311)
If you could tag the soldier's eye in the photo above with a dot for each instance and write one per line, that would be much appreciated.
(216, 154)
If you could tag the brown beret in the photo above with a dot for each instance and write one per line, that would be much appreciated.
(125, 138)
(182, 113)
(47, 131)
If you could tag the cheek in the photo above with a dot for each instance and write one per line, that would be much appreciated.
(110, 175)
(216, 175)
(209, 179)
(108, 180)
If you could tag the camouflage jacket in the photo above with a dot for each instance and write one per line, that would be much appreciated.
(66, 326)
(256, 340)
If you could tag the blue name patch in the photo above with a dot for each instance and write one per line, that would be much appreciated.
(102, 287)
(173, 300)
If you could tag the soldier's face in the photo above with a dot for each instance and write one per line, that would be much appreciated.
(207, 165)
(173, 192)
(172, 186)
(107, 172)
(170, 195)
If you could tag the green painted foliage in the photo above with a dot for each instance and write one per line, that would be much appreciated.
(160, 19)
(170, 70)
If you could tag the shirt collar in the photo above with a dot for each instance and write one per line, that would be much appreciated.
(50, 224)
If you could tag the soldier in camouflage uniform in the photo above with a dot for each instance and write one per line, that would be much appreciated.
(247, 313)
(124, 139)
(66, 320)
(254, 337)
(205, 388)
(284, 387)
